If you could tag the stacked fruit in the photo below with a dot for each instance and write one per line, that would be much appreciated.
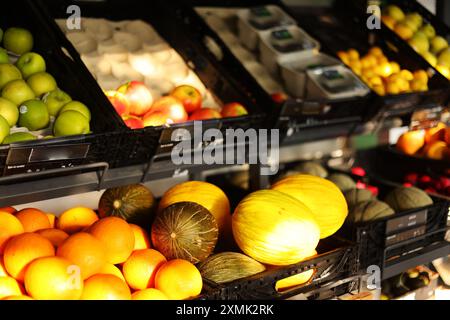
(135, 104)
(384, 76)
(433, 143)
(79, 256)
(30, 98)
(431, 184)
(421, 37)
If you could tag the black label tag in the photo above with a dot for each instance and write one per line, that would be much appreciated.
(406, 222)
(406, 235)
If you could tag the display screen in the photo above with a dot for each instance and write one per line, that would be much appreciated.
(332, 75)
(282, 35)
(260, 12)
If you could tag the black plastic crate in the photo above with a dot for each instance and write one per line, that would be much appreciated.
(151, 143)
(340, 27)
(336, 259)
(306, 119)
(100, 146)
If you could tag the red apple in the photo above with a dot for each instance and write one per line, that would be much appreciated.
(205, 114)
(190, 97)
(133, 122)
(233, 110)
(279, 97)
(138, 96)
(171, 107)
(156, 119)
(119, 102)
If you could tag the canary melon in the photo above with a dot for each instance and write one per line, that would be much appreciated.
(275, 228)
(322, 197)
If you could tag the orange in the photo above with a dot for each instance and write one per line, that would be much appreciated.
(111, 269)
(179, 280)
(9, 287)
(53, 278)
(437, 150)
(105, 287)
(117, 236)
(22, 250)
(447, 135)
(435, 134)
(411, 142)
(9, 210)
(76, 219)
(85, 251)
(10, 226)
(52, 218)
(3, 272)
(18, 298)
(149, 294)
(141, 239)
(141, 267)
(55, 236)
(33, 220)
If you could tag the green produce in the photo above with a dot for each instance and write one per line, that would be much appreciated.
(370, 211)
(311, 168)
(18, 92)
(395, 13)
(31, 63)
(55, 100)
(444, 58)
(414, 19)
(34, 115)
(71, 123)
(77, 106)
(342, 181)
(438, 44)
(1, 34)
(134, 203)
(185, 230)
(428, 30)
(18, 40)
(356, 196)
(419, 42)
(4, 57)
(9, 111)
(403, 199)
(8, 73)
(19, 137)
(229, 266)
(42, 83)
(4, 129)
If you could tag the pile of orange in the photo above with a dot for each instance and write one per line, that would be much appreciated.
(433, 143)
(79, 256)
(384, 76)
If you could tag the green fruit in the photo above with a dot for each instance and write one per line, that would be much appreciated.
(42, 83)
(4, 129)
(403, 199)
(34, 115)
(4, 57)
(18, 40)
(415, 19)
(8, 73)
(343, 182)
(444, 58)
(370, 211)
(312, 168)
(1, 34)
(431, 58)
(429, 31)
(356, 196)
(419, 42)
(77, 106)
(395, 13)
(438, 44)
(55, 100)
(17, 91)
(9, 111)
(31, 63)
(71, 123)
(19, 137)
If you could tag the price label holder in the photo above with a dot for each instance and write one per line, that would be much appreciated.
(29, 159)
(406, 222)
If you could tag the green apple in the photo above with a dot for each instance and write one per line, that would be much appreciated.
(438, 44)
(415, 19)
(77, 106)
(41, 83)
(431, 58)
(18, 40)
(71, 123)
(18, 92)
(19, 137)
(444, 58)
(9, 111)
(4, 129)
(4, 57)
(419, 42)
(31, 63)
(8, 73)
(395, 13)
(55, 100)
(428, 30)
(34, 115)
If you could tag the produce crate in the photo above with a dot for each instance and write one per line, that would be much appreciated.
(299, 120)
(153, 144)
(336, 260)
(349, 30)
(102, 145)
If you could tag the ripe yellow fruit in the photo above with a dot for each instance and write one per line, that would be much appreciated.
(9, 287)
(375, 81)
(403, 31)
(344, 57)
(395, 67)
(353, 54)
(111, 269)
(105, 287)
(392, 88)
(76, 220)
(380, 90)
(389, 21)
(149, 294)
(445, 71)
(418, 86)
